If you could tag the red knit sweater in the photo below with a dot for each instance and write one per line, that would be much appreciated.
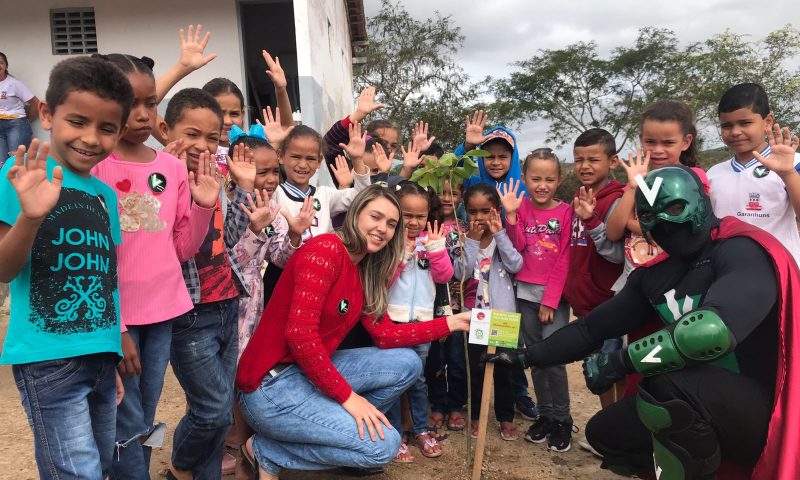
(316, 302)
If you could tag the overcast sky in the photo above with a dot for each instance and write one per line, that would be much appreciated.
(499, 32)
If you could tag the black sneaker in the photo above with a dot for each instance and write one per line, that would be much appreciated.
(560, 438)
(540, 429)
(527, 408)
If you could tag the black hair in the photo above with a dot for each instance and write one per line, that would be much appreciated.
(218, 86)
(745, 95)
(597, 136)
(542, 154)
(252, 142)
(92, 75)
(190, 99)
(128, 63)
(675, 111)
(377, 140)
(484, 189)
(435, 149)
(406, 187)
(5, 59)
(303, 131)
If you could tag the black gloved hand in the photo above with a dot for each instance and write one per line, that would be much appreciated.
(603, 370)
(508, 357)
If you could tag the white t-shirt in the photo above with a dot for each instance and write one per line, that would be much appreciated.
(757, 196)
(13, 96)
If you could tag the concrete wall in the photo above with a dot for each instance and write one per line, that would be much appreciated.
(324, 61)
(150, 27)
(141, 27)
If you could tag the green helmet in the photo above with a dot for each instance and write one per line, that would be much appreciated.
(674, 194)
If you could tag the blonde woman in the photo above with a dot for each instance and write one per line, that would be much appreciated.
(291, 363)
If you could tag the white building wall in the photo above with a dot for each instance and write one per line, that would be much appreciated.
(140, 28)
(324, 56)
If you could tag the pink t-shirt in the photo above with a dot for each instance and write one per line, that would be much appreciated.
(161, 227)
(542, 237)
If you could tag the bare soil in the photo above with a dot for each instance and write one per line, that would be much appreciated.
(503, 460)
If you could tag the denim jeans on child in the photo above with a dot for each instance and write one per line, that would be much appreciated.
(71, 404)
(448, 393)
(136, 413)
(298, 427)
(204, 346)
(13, 133)
(417, 398)
(550, 383)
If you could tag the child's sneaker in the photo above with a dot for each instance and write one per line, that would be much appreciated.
(560, 438)
(527, 408)
(540, 429)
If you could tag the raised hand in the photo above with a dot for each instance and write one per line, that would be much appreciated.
(511, 197)
(204, 185)
(304, 218)
(476, 230)
(419, 136)
(357, 144)
(273, 129)
(37, 195)
(475, 126)
(366, 105)
(381, 160)
(783, 145)
(411, 157)
(176, 148)
(434, 233)
(342, 172)
(635, 166)
(192, 48)
(584, 203)
(260, 212)
(495, 223)
(274, 70)
(242, 166)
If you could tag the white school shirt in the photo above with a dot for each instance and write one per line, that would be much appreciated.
(328, 202)
(755, 195)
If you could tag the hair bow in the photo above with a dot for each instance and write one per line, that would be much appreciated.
(256, 131)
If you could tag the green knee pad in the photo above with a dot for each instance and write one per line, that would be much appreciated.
(672, 461)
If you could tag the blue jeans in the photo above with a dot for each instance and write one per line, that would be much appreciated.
(136, 413)
(449, 393)
(71, 404)
(13, 133)
(299, 427)
(417, 398)
(204, 346)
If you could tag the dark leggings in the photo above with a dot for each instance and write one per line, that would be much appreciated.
(503, 393)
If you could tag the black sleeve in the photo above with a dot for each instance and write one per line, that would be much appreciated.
(613, 318)
(746, 287)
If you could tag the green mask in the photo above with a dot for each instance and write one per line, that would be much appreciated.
(677, 197)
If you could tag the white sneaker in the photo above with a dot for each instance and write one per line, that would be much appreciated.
(584, 444)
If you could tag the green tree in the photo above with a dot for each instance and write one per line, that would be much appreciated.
(412, 64)
(574, 88)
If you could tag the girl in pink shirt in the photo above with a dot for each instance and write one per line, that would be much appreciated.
(539, 228)
(164, 216)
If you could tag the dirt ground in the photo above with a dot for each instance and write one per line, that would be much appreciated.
(503, 460)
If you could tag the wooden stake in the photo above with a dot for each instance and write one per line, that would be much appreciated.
(483, 419)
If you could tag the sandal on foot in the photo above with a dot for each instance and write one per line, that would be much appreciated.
(435, 420)
(403, 455)
(248, 462)
(456, 422)
(508, 431)
(428, 446)
(474, 432)
(228, 464)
